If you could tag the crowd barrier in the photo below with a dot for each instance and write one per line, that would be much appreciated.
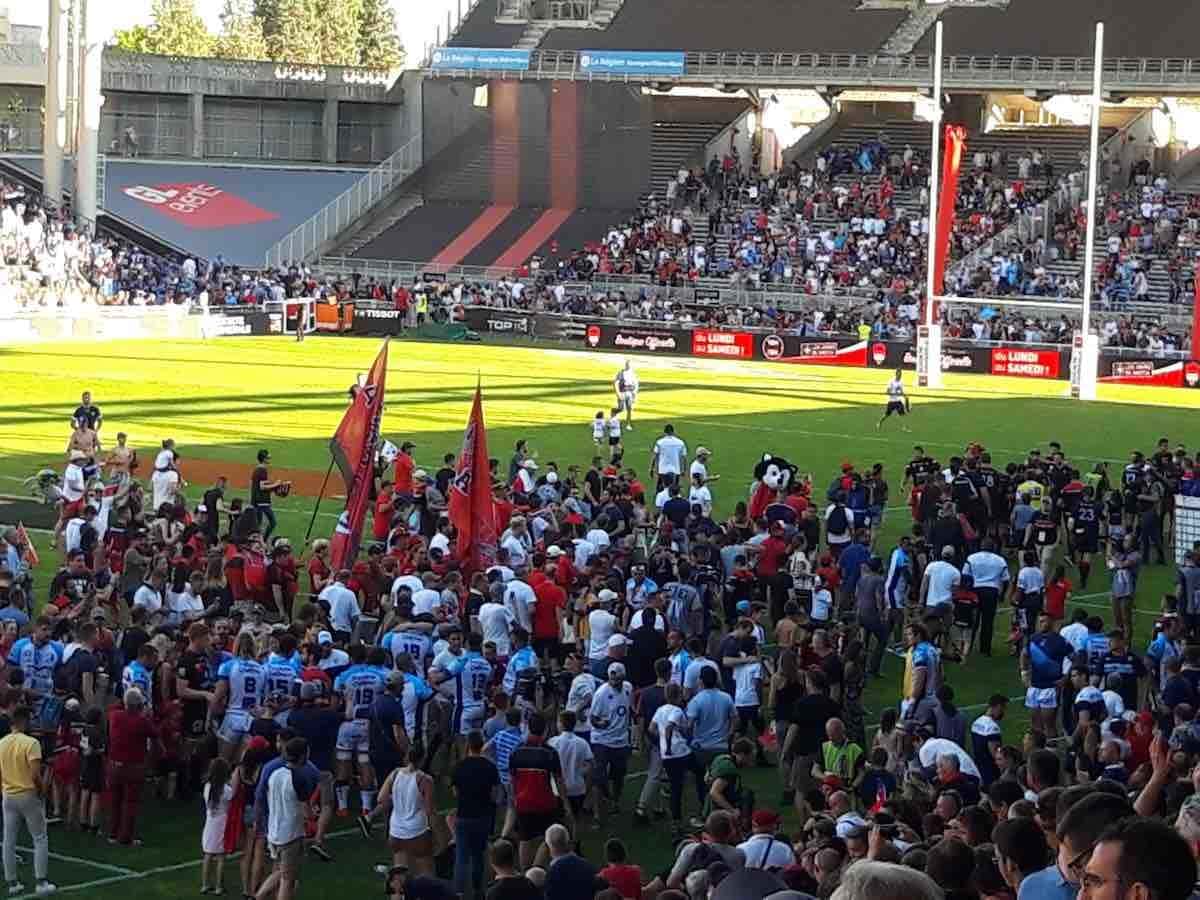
(89, 322)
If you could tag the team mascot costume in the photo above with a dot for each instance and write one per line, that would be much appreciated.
(772, 477)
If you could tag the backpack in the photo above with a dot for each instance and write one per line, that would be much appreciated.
(838, 523)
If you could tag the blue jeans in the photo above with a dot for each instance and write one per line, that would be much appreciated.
(266, 512)
(470, 852)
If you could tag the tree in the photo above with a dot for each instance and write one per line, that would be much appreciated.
(294, 35)
(241, 34)
(338, 36)
(175, 30)
(133, 40)
(378, 44)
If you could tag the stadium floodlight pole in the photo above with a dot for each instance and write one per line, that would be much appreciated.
(54, 127)
(1086, 345)
(929, 334)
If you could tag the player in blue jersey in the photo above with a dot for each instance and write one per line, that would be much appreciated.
(411, 638)
(140, 674)
(37, 657)
(471, 684)
(241, 688)
(520, 678)
(283, 672)
(358, 687)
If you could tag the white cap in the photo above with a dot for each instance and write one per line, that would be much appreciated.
(530, 465)
(551, 478)
(324, 637)
(616, 669)
(618, 640)
(554, 551)
(607, 596)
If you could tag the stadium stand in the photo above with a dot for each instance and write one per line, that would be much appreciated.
(1155, 29)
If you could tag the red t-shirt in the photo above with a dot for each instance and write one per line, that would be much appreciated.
(128, 735)
(1056, 598)
(381, 524)
(624, 879)
(771, 555)
(550, 599)
(404, 474)
(317, 567)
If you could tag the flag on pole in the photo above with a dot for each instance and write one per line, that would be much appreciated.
(353, 448)
(470, 506)
(952, 156)
(31, 554)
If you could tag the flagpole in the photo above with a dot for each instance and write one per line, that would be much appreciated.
(317, 505)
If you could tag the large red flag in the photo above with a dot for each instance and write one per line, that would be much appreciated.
(470, 502)
(952, 156)
(1196, 314)
(353, 447)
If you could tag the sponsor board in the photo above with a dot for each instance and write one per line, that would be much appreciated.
(375, 321)
(1026, 363)
(225, 326)
(632, 62)
(199, 205)
(1145, 371)
(706, 295)
(497, 59)
(728, 344)
(792, 349)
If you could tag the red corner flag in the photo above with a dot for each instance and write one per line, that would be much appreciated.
(470, 502)
(353, 448)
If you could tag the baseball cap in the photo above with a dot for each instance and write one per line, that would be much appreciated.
(607, 596)
(324, 637)
(703, 451)
(554, 551)
(616, 669)
(743, 606)
(530, 465)
(618, 640)
(948, 551)
(551, 478)
(309, 690)
(764, 818)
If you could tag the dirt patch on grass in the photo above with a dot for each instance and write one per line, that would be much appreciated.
(305, 482)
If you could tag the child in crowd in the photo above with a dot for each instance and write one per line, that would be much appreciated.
(218, 794)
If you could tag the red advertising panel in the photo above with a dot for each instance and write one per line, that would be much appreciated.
(1025, 363)
(730, 344)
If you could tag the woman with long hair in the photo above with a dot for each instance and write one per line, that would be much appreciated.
(787, 686)
(409, 792)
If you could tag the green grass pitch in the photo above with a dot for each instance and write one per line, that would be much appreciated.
(224, 400)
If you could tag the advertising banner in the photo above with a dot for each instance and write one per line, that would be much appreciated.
(376, 321)
(729, 344)
(706, 295)
(631, 62)
(480, 58)
(500, 321)
(1026, 363)
(832, 351)
(901, 355)
(251, 322)
(637, 339)
(1156, 372)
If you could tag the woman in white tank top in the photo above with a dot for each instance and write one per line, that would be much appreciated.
(410, 792)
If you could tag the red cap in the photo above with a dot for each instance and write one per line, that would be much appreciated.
(764, 818)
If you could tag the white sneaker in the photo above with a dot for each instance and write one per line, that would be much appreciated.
(15, 888)
(44, 888)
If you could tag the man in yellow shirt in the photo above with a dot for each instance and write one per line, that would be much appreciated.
(22, 786)
(1035, 489)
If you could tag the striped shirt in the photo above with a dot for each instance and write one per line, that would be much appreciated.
(504, 744)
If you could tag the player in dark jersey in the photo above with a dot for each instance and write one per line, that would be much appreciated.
(195, 680)
(1085, 534)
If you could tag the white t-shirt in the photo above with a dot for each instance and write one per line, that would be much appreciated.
(615, 707)
(579, 700)
(519, 599)
(149, 599)
(1030, 580)
(506, 574)
(701, 496)
(574, 755)
(671, 452)
(164, 459)
(287, 811)
(746, 679)
(412, 582)
(765, 851)
(74, 486)
(495, 620)
(425, 601)
(440, 542)
(822, 602)
(602, 625)
(677, 747)
(943, 579)
(698, 468)
(598, 538)
(343, 606)
(518, 553)
(895, 389)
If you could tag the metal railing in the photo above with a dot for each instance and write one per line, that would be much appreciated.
(1053, 72)
(306, 240)
(550, 12)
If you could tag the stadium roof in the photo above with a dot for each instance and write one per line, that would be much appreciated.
(750, 25)
(1156, 29)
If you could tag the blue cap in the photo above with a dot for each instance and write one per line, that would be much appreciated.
(743, 606)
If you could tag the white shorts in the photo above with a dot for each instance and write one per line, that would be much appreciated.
(628, 398)
(354, 737)
(1041, 698)
(470, 718)
(235, 726)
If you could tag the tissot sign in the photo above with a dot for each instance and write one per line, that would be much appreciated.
(199, 205)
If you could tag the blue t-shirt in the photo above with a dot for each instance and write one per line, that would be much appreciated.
(1047, 884)
(319, 726)
(1046, 654)
(710, 711)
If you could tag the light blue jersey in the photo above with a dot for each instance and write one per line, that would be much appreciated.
(38, 663)
(359, 686)
(471, 698)
(283, 676)
(414, 643)
(247, 682)
(138, 676)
